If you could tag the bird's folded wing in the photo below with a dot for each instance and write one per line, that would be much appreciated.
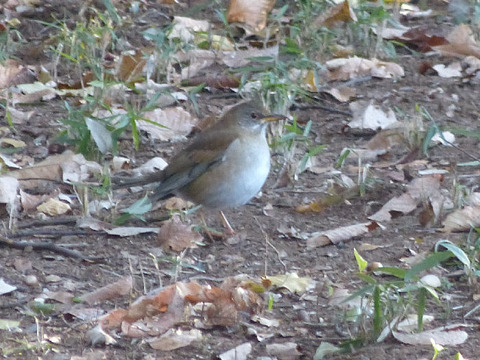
(207, 150)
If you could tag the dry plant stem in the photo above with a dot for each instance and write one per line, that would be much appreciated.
(267, 242)
(475, 309)
(130, 267)
(326, 108)
(473, 157)
(52, 232)
(159, 274)
(70, 220)
(144, 282)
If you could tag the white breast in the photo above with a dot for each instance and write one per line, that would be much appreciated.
(237, 179)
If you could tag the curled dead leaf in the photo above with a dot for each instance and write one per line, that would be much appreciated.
(343, 234)
(121, 287)
(341, 12)
(54, 207)
(462, 219)
(250, 13)
(177, 236)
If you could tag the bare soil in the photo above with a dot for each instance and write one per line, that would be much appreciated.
(302, 320)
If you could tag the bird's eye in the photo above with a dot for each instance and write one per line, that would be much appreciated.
(253, 115)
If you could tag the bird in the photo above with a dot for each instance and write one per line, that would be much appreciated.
(223, 167)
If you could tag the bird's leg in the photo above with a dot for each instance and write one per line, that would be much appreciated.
(205, 226)
(228, 228)
(213, 233)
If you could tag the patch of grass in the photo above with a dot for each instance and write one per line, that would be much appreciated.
(9, 37)
(361, 33)
(289, 142)
(389, 294)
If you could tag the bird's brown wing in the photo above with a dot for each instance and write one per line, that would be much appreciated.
(207, 150)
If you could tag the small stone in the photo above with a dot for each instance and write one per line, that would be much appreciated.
(31, 280)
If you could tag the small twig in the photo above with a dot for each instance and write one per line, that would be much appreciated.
(206, 278)
(51, 232)
(224, 96)
(22, 245)
(322, 107)
(70, 220)
(267, 241)
(475, 309)
(473, 157)
(13, 305)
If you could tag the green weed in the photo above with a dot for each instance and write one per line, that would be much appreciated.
(391, 293)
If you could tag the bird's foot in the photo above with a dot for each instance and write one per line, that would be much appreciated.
(229, 231)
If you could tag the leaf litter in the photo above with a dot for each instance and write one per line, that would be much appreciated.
(72, 170)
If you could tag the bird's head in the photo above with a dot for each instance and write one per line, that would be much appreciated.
(248, 115)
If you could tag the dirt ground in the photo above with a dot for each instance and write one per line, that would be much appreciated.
(304, 319)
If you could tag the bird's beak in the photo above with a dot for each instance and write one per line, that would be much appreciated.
(272, 117)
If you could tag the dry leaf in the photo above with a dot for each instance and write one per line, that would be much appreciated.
(54, 207)
(410, 323)
(386, 139)
(12, 143)
(6, 288)
(368, 116)
(154, 314)
(292, 282)
(126, 231)
(241, 58)
(450, 71)
(354, 67)
(240, 352)
(340, 234)
(441, 336)
(339, 13)
(8, 189)
(119, 288)
(120, 163)
(184, 28)
(284, 351)
(22, 264)
(423, 38)
(461, 43)
(130, 67)
(250, 13)
(12, 73)
(174, 339)
(173, 123)
(97, 336)
(18, 116)
(339, 298)
(418, 190)
(431, 280)
(444, 137)
(177, 236)
(63, 297)
(30, 202)
(403, 204)
(342, 94)
(462, 219)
